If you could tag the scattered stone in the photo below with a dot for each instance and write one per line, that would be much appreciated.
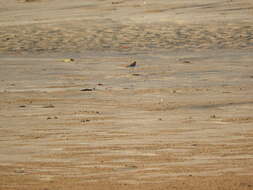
(160, 119)
(132, 64)
(186, 61)
(213, 116)
(68, 60)
(131, 166)
(55, 117)
(85, 120)
(87, 89)
(49, 106)
(22, 106)
(116, 2)
(245, 184)
(136, 74)
(100, 84)
(29, 1)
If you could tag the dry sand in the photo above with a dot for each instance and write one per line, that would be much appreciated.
(181, 119)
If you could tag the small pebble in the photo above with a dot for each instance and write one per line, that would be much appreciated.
(85, 120)
(68, 60)
(132, 64)
(49, 106)
(87, 89)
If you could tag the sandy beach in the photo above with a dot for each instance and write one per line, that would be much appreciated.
(73, 115)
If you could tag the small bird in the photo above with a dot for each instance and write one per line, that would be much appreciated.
(132, 64)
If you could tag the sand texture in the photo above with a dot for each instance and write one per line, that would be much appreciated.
(75, 115)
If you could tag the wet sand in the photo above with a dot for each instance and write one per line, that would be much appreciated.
(181, 119)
